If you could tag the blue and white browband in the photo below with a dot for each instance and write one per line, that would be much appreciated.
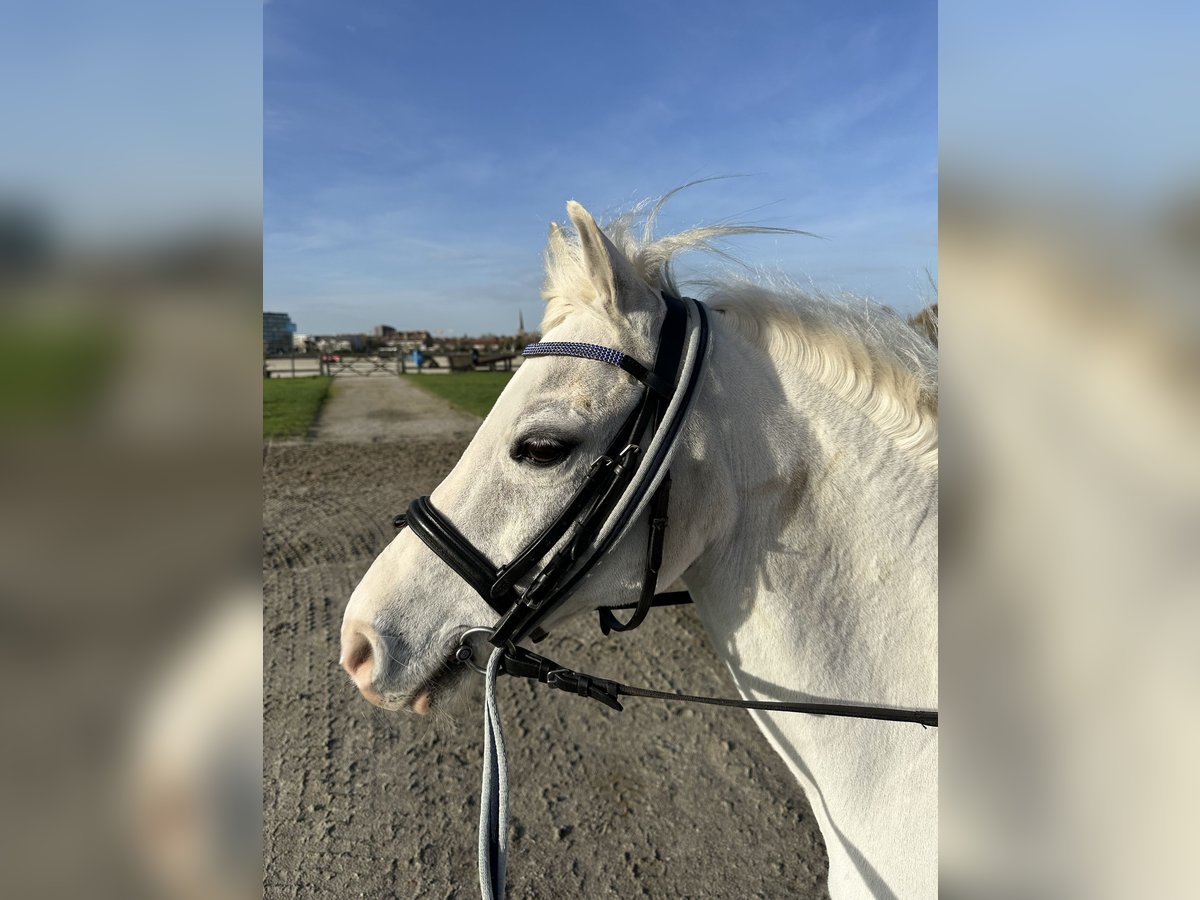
(600, 354)
(572, 348)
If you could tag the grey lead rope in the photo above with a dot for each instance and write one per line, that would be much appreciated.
(493, 798)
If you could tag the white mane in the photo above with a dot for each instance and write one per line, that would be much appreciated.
(864, 352)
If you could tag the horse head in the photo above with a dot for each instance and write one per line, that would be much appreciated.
(407, 617)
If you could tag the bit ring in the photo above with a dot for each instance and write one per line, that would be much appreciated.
(465, 653)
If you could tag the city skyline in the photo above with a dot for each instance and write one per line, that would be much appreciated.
(404, 326)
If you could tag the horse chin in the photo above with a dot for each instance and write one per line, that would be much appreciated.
(442, 691)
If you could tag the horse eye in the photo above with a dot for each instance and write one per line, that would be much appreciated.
(542, 451)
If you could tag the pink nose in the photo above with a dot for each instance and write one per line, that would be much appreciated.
(358, 658)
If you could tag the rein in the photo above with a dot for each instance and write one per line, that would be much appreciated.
(632, 475)
(526, 664)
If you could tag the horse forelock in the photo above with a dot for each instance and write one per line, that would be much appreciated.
(864, 352)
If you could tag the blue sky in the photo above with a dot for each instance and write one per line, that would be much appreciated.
(133, 119)
(414, 153)
(1077, 95)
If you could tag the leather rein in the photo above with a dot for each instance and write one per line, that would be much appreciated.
(629, 476)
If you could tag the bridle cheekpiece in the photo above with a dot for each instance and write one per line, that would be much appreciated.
(630, 474)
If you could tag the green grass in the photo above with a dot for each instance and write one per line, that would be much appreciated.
(471, 392)
(290, 405)
(52, 372)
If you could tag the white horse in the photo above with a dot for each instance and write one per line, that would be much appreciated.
(803, 521)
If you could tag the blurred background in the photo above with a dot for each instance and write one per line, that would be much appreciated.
(130, 290)
(1069, 250)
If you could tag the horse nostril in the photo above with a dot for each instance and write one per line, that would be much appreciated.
(358, 658)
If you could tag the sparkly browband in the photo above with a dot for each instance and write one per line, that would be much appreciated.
(571, 348)
(600, 354)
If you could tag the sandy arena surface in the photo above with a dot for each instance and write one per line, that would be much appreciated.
(659, 800)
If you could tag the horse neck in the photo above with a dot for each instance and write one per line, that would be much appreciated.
(818, 577)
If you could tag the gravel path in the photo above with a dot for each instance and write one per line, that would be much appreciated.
(660, 800)
(383, 408)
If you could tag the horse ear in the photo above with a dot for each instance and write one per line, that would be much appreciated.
(611, 274)
(556, 245)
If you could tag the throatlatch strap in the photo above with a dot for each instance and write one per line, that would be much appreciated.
(667, 598)
(659, 505)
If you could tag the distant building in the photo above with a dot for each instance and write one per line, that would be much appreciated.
(335, 343)
(26, 240)
(278, 329)
(384, 331)
(410, 340)
(303, 343)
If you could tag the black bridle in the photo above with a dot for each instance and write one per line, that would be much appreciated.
(590, 509)
(592, 521)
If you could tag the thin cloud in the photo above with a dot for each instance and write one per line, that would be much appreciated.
(411, 168)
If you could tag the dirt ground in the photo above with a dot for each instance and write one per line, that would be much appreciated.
(659, 800)
(385, 408)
